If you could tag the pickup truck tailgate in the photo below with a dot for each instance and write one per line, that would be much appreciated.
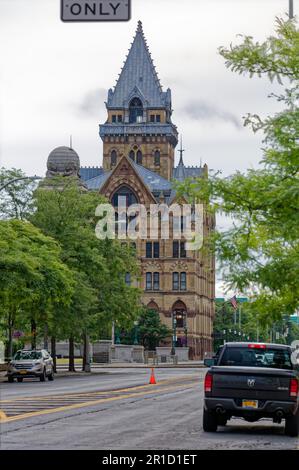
(251, 382)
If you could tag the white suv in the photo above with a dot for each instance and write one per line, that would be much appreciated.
(31, 363)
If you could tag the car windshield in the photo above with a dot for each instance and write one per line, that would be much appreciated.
(25, 355)
(254, 357)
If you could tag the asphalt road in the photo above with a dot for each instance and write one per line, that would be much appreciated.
(117, 409)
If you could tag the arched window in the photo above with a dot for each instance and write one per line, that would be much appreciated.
(132, 155)
(157, 158)
(139, 157)
(136, 110)
(113, 158)
(127, 194)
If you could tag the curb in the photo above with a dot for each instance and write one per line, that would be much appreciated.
(104, 369)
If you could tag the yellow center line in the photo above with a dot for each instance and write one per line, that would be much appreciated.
(2, 416)
(90, 403)
(102, 392)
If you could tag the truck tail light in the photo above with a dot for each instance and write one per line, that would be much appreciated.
(257, 346)
(293, 388)
(208, 382)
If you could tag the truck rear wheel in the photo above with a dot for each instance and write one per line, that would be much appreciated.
(292, 425)
(209, 421)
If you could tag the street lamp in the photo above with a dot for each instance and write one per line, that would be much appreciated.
(291, 9)
(135, 333)
(173, 343)
(22, 178)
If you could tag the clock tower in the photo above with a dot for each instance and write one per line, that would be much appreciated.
(139, 124)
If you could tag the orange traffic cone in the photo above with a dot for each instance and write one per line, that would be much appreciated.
(152, 379)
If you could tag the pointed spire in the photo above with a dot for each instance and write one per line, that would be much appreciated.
(181, 151)
(71, 141)
(139, 27)
(138, 63)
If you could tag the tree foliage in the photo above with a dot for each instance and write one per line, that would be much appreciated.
(16, 197)
(67, 213)
(34, 281)
(259, 253)
(151, 331)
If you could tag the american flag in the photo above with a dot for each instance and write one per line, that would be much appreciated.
(234, 302)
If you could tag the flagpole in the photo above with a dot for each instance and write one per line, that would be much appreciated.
(240, 320)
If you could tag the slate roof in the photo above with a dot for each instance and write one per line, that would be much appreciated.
(97, 182)
(139, 76)
(89, 172)
(181, 172)
(156, 183)
(153, 180)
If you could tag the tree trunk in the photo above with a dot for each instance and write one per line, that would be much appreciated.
(46, 339)
(86, 358)
(71, 355)
(53, 352)
(84, 352)
(9, 346)
(33, 334)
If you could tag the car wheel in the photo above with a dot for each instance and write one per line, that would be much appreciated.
(292, 425)
(19, 379)
(51, 376)
(43, 376)
(209, 421)
(10, 379)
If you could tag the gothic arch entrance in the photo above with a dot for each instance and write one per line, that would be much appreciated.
(179, 316)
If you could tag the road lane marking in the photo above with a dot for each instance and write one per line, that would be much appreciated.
(96, 392)
(95, 402)
(2, 416)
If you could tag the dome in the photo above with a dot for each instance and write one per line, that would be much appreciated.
(63, 160)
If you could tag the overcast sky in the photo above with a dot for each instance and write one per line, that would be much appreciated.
(54, 78)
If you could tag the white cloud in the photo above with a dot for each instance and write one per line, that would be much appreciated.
(52, 73)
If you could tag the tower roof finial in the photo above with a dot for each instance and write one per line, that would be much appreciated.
(181, 151)
(139, 27)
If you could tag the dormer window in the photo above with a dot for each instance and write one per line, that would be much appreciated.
(113, 158)
(139, 157)
(157, 158)
(136, 111)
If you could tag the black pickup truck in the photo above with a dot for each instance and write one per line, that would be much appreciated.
(252, 381)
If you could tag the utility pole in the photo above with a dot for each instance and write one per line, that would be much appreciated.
(291, 9)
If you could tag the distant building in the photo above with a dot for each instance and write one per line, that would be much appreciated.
(139, 141)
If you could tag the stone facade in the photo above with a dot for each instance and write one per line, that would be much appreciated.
(139, 141)
(122, 140)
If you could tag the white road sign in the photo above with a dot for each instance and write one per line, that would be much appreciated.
(95, 10)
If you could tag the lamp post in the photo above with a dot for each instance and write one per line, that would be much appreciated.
(33, 178)
(173, 334)
(186, 329)
(291, 9)
(135, 333)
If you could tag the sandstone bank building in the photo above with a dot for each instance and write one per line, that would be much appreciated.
(139, 142)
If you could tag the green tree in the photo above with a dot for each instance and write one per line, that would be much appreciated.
(34, 281)
(259, 253)
(67, 213)
(16, 197)
(151, 331)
